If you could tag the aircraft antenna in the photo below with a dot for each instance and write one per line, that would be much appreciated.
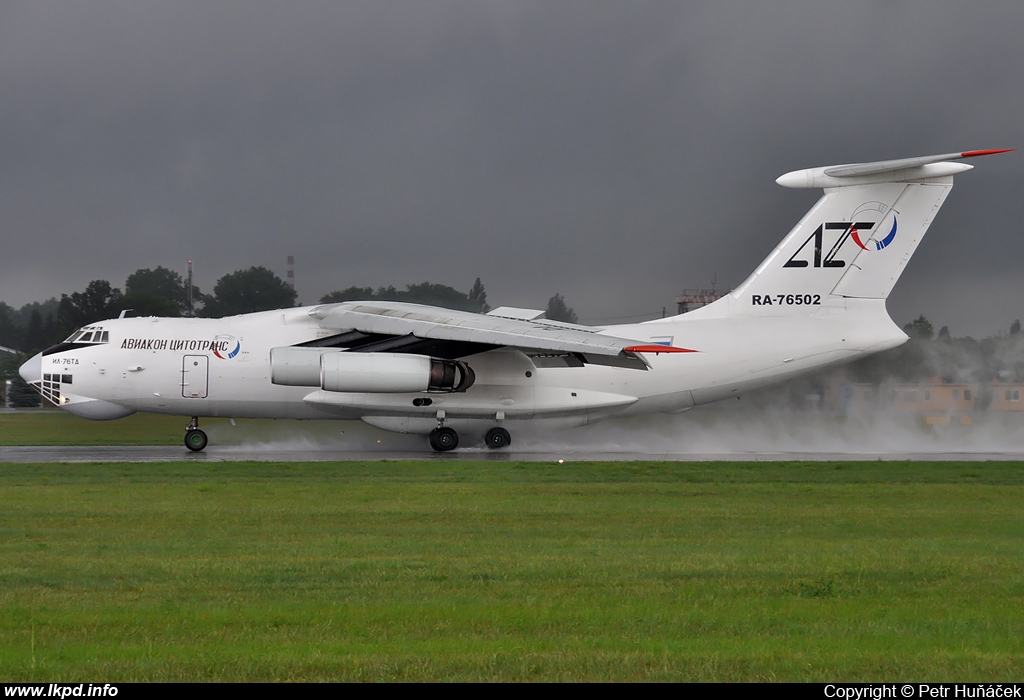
(190, 288)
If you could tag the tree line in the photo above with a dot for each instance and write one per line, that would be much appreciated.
(163, 292)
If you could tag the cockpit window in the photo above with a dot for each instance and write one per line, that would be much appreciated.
(83, 337)
(89, 334)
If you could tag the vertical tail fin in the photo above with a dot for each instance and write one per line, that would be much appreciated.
(855, 242)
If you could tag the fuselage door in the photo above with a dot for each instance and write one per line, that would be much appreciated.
(195, 376)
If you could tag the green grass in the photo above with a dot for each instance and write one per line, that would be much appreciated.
(452, 570)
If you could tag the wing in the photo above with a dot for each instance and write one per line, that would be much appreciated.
(411, 328)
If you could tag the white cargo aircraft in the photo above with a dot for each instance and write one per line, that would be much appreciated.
(817, 300)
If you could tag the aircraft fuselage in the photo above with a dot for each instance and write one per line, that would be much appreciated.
(222, 367)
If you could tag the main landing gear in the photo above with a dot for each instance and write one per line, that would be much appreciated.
(497, 438)
(444, 439)
(195, 439)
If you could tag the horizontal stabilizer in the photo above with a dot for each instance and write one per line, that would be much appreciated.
(888, 166)
(902, 170)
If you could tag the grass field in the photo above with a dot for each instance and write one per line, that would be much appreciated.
(512, 571)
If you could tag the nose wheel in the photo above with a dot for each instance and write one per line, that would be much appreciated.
(195, 439)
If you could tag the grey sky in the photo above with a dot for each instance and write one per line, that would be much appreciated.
(615, 152)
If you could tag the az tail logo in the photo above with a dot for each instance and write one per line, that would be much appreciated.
(846, 230)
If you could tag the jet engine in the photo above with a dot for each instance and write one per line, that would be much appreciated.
(370, 372)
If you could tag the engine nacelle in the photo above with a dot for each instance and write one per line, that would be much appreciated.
(367, 372)
(295, 366)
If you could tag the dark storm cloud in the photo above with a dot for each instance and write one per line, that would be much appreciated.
(613, 152)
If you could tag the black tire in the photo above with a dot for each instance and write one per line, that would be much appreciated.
(497, 438)
(444, 439)
(196, 440)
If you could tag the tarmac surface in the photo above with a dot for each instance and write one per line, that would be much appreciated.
(264, 454)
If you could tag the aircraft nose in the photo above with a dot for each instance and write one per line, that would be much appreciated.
(32, 370)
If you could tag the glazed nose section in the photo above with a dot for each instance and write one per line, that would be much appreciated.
(32, 370)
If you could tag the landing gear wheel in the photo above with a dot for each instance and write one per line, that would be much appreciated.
(444, 439)
(497, 438)
(195, 440)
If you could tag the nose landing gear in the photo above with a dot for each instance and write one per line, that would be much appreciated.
(195, 439)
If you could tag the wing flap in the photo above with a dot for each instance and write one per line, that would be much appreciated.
(516, 313)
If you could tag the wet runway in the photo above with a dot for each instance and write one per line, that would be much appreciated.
(709, 436)
(264, 453)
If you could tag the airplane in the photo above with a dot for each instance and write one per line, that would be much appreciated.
(817, 300)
